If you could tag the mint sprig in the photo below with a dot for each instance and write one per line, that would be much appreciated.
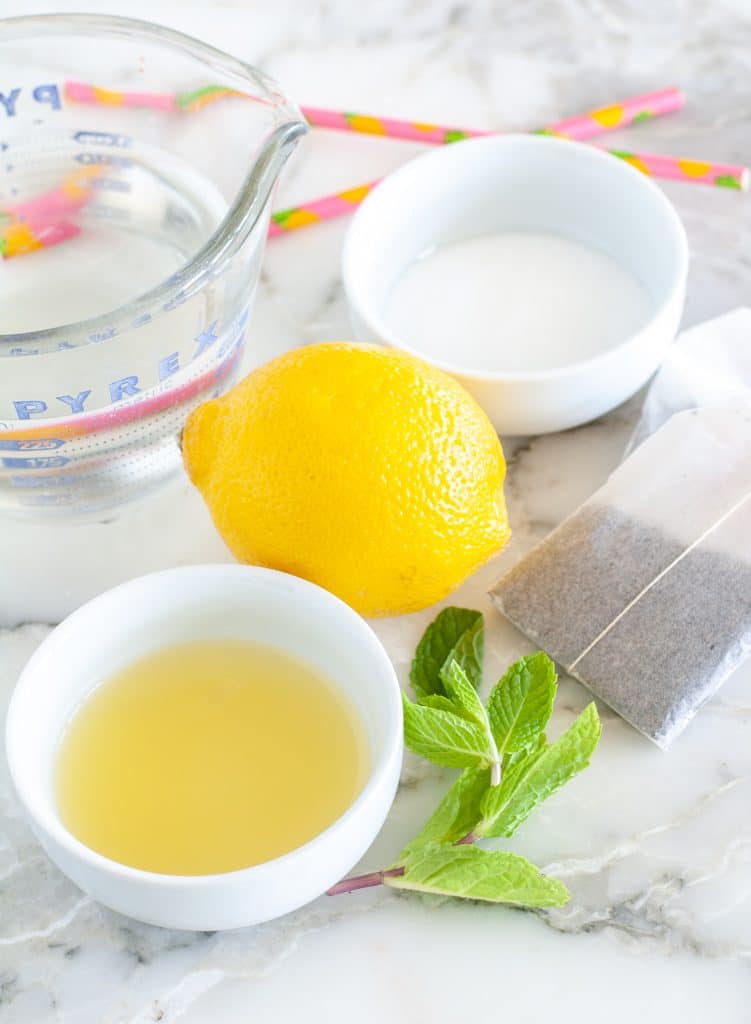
(509, 767)
(521, 704)
(445, 737)
(495, 876)
(456, 634)
(456, 815)
(538, 775)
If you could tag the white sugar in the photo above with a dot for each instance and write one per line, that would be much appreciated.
(515, 302)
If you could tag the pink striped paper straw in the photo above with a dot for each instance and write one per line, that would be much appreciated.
(83, 92)
(40, 223)
(317, 210)
(18, 238)
(580, 128)
(676, 168)
(652, 164)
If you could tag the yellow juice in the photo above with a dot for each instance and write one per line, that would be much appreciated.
(209, 757)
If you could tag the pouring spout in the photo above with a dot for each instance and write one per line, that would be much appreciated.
(256, 189)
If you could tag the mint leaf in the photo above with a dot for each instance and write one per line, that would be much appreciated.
(437, 643)
(444, 737)
(456, 815)
(535, 777)
(521, 703)
(512, 760)
(468, 652)
(435, 700)
(463, 696)
(497, 803)
(467, 871)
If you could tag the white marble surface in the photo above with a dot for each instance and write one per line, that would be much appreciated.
(655, 848)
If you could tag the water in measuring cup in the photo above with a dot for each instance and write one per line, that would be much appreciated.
(104, 417)
(146, 214)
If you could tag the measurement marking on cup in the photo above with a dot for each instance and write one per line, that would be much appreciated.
(110, 159)
(38, 444)
(110, 185)
(30, 482)
(54, 462)
(104, 139)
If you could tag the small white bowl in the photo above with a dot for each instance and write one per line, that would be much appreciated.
(201, 602)
(536, 184)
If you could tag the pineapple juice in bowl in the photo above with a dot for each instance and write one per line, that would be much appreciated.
(258, 613)
(132, 237)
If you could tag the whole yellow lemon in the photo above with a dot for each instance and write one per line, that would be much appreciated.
(358, 467)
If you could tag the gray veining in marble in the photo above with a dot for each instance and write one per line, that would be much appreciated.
(655, 848)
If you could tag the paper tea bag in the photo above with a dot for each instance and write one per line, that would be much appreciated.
(644, 593)
(707, 365)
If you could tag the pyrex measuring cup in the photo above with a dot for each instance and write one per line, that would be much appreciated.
(136, 166)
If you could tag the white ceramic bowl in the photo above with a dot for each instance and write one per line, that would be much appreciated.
(537, 184)
(198, 602)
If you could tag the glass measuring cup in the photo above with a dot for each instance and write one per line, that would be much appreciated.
(136, 166)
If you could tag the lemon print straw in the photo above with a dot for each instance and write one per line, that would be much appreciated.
(18, 237)
(581, 127)
(45, 220)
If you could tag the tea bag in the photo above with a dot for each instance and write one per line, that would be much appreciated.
(644, 593)
(709, 364)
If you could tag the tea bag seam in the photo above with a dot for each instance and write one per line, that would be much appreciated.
(663, 572)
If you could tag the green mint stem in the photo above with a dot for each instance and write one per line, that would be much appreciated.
(495, 767)
(373, 878)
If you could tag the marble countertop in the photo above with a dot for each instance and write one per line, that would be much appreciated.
(656, 848)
